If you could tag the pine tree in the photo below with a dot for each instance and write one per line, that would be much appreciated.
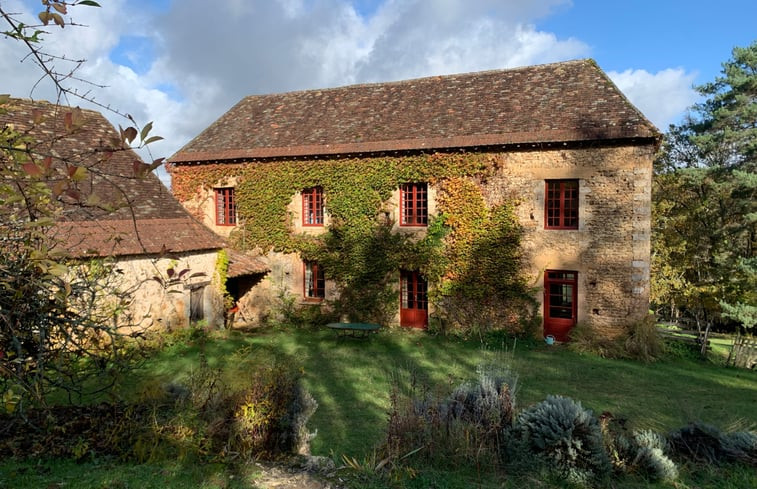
(705, 203)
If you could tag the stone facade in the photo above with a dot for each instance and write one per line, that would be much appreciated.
(610, 250)
(154, 307)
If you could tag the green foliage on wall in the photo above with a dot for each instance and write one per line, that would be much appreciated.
(483, 285)
(468, 251)
(222, 269)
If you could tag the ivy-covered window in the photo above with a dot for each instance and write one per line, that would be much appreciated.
(314, 281)
(226, 211)
(414, 204)
(561, 204)
(312, 206)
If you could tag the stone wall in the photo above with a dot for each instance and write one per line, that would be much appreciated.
(610, 250)
(155, 307)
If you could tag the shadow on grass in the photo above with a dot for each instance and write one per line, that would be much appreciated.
(351, 380)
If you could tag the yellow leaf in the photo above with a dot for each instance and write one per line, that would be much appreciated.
(58, 270)
(79, 174)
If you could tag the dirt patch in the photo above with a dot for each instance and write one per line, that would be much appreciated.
(301, 473)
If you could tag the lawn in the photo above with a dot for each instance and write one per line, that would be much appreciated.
(351, 380)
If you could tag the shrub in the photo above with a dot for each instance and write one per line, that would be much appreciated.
(701, 443)
(201, 420)
(584, 339)
(468, 426)
(642, 452)
(264, 419)
(289, 312)
(644, 341)
(650, 458)
(565, 437)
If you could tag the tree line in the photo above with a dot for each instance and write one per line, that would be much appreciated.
(704, 226)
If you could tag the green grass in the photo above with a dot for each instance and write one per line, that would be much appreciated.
(351, 380)
(61, 474)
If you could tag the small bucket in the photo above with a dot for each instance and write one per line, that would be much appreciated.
(549, 339)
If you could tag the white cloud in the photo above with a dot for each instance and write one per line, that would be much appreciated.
(662, 97)
(214, 54)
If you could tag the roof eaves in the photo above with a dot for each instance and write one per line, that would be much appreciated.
(428, 144)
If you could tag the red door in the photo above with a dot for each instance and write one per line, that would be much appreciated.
(560, 293)
(413, 300)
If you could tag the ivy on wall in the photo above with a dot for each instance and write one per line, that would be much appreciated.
(469, 253)
(222, 269)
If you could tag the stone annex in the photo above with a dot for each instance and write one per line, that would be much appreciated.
(560, 139)
(132, 222)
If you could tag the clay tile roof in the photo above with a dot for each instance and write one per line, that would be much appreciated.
(241, 264)
(143, 236)
(559, 102)
(146, 219)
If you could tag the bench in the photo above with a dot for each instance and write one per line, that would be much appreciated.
(354, 330)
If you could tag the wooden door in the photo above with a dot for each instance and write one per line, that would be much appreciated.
(413, 300)
(196, 303)
(560, 294)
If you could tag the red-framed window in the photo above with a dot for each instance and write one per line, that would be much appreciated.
(312, 206)
(414, 204)
(226, 209)
(314, 281)
(561, 204)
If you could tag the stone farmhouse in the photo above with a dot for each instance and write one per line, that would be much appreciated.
(560, 141)
(111, 213)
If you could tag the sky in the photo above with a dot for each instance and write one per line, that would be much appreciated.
(182, 63)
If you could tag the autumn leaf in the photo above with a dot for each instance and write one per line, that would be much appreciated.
(59, 188)
(140, 169)
(58, 20)
(129, 134)
(77, 173)
(32, 169)
(74, 194)
(156, 163)
(93, 200)
(77, 117)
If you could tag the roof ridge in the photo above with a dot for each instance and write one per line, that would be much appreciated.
(36, 103)
(410, 81)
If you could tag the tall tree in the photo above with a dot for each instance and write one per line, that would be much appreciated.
(705, 206)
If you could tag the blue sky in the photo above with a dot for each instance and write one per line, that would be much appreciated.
(182, 64)
(655, 35)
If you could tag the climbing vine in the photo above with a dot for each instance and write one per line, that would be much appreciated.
(469, 253)
(222, 269)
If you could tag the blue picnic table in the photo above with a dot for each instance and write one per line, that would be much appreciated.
(355, 330)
